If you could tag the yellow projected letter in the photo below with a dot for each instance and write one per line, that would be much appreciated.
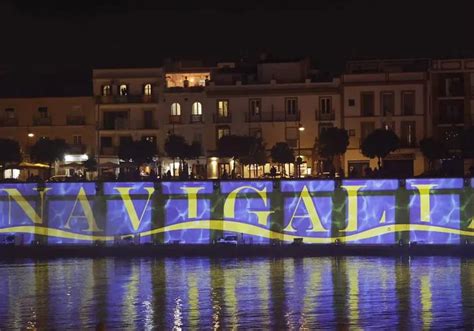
(192, 200)
(312, 213)
(14, 194)
(229, 204)
(425, 206)
(352, 221)
(127, 201)
(86, 207)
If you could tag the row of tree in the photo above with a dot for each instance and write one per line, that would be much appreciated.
(247, 150)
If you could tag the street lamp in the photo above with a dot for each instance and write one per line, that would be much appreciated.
(30, 135)
(298, 158)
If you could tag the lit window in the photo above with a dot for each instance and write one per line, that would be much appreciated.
(325, 105)
(223, 108)
(147, 89)
(175, 109)
(223, 131)
(255, 107)
(77, 140)
(123, 89)
(197, 108)
(106, 90)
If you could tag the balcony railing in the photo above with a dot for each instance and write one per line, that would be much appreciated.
(325, 116)
(179, 89)
(77, 149)
(76, 120)
(175, 119)
(42, 121)
(9, 122)
(456, 117)
(120, 99)
(272, 117)
(108, 150)
(196, 118)
(222, 119)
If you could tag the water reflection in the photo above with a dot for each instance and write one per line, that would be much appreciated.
(185, 293)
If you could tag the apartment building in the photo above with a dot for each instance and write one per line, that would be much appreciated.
(70, 118)
(452, 89)
(393, 95)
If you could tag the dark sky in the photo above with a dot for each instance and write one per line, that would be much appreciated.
(56, 35)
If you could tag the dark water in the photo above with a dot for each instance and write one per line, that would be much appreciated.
(200, 293)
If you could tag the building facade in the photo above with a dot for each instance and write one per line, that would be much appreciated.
(278, 101)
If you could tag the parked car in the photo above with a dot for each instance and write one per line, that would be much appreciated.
(228, 240)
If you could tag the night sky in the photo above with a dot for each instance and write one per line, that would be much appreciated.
(55, 40)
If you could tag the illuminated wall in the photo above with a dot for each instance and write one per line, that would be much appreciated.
(432, 211)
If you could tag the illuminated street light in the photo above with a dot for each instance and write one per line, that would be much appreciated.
(31, 135)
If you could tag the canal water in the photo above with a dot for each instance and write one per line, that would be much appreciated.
(200, 293)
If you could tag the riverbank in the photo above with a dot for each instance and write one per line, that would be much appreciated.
(303, 250)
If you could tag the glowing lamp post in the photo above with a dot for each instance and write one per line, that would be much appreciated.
(298, 158)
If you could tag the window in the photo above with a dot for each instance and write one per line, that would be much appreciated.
(175, 109)
(106, 142)
(388, 125)
(408, 103)
(367, 104)
(291, 136)
(106, 90)
(77, 140)
(255, 107)
(387, 101)
(43, 112)
(291, 106)
(408, 134)
(123, 90)
(148, 119)
(10, 113)
(325, 105)
(351, 102)
(147, 89)
(223, 108)
(197, 108)
(366, 128)
(452, 85)
(324, 126)
(222, 131)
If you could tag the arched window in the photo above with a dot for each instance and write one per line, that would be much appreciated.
(123, 89)
(175, 109)
(197, 108)
(106, 90)
(147, 89)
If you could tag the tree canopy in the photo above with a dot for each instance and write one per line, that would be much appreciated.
(379, 143)
(10, 152)
(48, 151)
(432, 150)
(282, 153)
(332, 142)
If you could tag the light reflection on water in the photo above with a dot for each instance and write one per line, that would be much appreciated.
(200, 293)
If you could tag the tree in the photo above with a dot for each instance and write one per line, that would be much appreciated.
(138, 152)
(467, 143)
(48, 151)
(379, 143)
(281, 153)
(332, 142)
(236, 147)
(10, 153)
(432, 150)
(256, 154)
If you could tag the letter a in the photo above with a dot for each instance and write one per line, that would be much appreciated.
(86, 207)
(312, 214)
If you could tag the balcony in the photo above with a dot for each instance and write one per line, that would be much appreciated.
(178, 89)
(116, 124)
(222, 119)
(320, 116)
(77, 149)
(76, 120)
(124, 99)
(272, 117)
(175, 119)
(42, 121)
(196, 119)
(8, 122)
(108, 150)
(451, 117)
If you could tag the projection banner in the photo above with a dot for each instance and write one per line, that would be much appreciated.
(431, 211)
